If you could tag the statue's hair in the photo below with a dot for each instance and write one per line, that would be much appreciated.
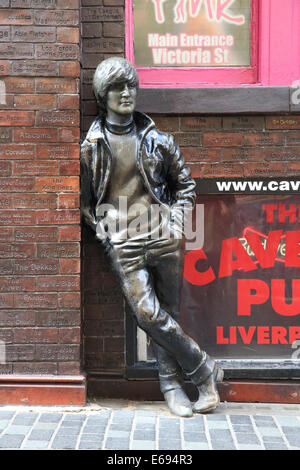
(111, 71)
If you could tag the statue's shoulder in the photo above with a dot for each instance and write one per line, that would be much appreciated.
(95, 131)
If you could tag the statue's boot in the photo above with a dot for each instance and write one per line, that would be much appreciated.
(178, 403)
(209, 398)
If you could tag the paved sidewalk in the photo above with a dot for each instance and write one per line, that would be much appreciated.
(117, 424)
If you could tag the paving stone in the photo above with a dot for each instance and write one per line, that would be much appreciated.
(263, 421)
(121, 427)
(6, 414)
(3, 424)
(216, 417)
(68, 432)
(290, 430)
(64, 443)
(273, 446)
(274, 439)
(245, 438)
(119, 434)
(40, 435)
(217, 425)
(48, 426)
(74, 417)
(242, 428)
(117, 443)
(288, 421)
(223, 445)
(90, 445)
(92, 437)
(171, 433)
(93, 429)
(50, 417)
(269, 431)
(144, 435)
(11, 442)
(17, 430)
(240, 419)
(169, 444)
(250, 447)
(35, 445)
(293, 440)
(195, 446)
(195, 437)
(25, 419)
(220, 434)
(170, 423)
(143, 445)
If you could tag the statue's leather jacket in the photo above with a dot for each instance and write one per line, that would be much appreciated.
(159, 162)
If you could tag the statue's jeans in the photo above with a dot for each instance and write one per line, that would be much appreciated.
(149, 273)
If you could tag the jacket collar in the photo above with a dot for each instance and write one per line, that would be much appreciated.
(143, 124)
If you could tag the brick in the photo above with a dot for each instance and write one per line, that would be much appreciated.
(36, 234)
(59, 217)
(68, 234)
(17, 250)
(56, 18)
(35, 135)
(5, 67)
(35, 368)
(58, 250)
(56, 85)
(71, 134)
(101, 14)
(293, 169)
(197, 123)
(69, 35)
(42, 167)
(69, 168)
(69, 69)
(33, 34)
(69, 335)
(58, 118)
(16, 152)
(59, 184)
(34, 68)
(113, 2)
(266, 138)
(6, 201)
(16, 17)
(58, 352)
(35, 101)
(196, 170)
(7, 102)
(19, 85)
(16, 51)
(92, 30)
(6, 267)
(69, 266)
(17, 284)
(5, 169)
(292, 138)
(68, 201)
(35, 301)
(35, 335)
(188, 139)
(68, 102)
(108, 45)
(69, 368)
(283, 122)
(58, 283)
(90, 61)
(58, 151)
(19, 352)
(6, 301)
(67, 4)
(166, 123)
(242, 154)
(33, 3)
(56, 51)
(216, 170)
(19, 185)
(5, 135)
(58, 318)
(114, 344)
(243, 122)
(264, 169)
(35, 201)
(114, 30)
(69, 300)
(17, 318)
(16, 118)
(222, 139)
(6, 233)
(35, 266)
(4, 33)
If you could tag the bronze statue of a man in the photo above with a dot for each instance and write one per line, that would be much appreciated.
(124, 158)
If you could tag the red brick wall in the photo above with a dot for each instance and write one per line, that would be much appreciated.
(39, 186)
(214, 146)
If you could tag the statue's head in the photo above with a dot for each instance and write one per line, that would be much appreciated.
(112, 75)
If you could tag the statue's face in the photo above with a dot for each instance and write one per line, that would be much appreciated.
(121, 98)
